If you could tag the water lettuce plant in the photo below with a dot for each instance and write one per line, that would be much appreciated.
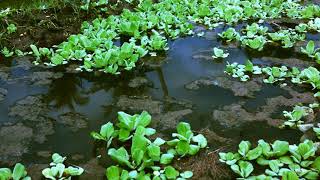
(310, 49)
(279, 159)
(58, 171)
(19, 173)
(137, 156)
(230, 34)
(219, 53)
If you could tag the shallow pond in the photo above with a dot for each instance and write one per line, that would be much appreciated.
(49, 110)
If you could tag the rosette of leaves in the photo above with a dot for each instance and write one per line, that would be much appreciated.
(19, 173)
(230, 34)
(254, 30)
(219, 53)
(310, 49)
(296, 115)
(58, 171)
(184, 139)
(314, 24)
(275, 74)
(239, 71)
(257, 42)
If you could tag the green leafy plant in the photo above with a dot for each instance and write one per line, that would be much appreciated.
(219, 53)
(144, 155)
(6, 52)
(230, 34)
(11, 28)
(310, 49)
(58, 171)
(19, 173)
(184, 137)
(280, 159)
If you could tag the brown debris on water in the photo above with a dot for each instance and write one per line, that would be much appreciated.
(289, 62)
(235, 115)
(74, 120)
(243, 89)
(15, 141)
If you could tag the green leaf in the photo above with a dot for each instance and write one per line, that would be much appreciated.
(159, 141)
(18, 171)
(113, 173)
(121, 156)
(150, 131)
(124, 134)
(74, 171)
(193, 149)
(5, 173)
(201, 140)
(316, 164)
(35, 50)
(171, 172)
(244, 147)
(57, 59)
(154, 152)
(254, 153)
(186, 174)
(184, 130)
(280, 148)
(126, 120)
(246, 168)
(290, 175)
(183, 147)
(143, 119)
(57, 158)
(124, 175)
(137, 156)
(166, 158)
(107, 130)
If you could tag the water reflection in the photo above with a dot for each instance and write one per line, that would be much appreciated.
(67, 92)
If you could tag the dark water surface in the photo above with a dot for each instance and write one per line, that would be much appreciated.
(96, 97)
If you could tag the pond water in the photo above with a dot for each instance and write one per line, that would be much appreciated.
(49, 110)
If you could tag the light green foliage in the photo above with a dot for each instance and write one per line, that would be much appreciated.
(58, 171)
(230, 34)
(219, 53)
(239, 71)
(6, 52)
(149, 25)
(310, 49)
(146, 155)
(11, 28)
(19, 173)
(288, 37)
(280, 160)
(296, 115)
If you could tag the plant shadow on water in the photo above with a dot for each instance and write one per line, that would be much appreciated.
(78, 103)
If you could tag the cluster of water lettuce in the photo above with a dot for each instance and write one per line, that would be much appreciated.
(280, 160)
(148, 28)
(56, 171)
(302, 161)
(256, 37)
(138, 157)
